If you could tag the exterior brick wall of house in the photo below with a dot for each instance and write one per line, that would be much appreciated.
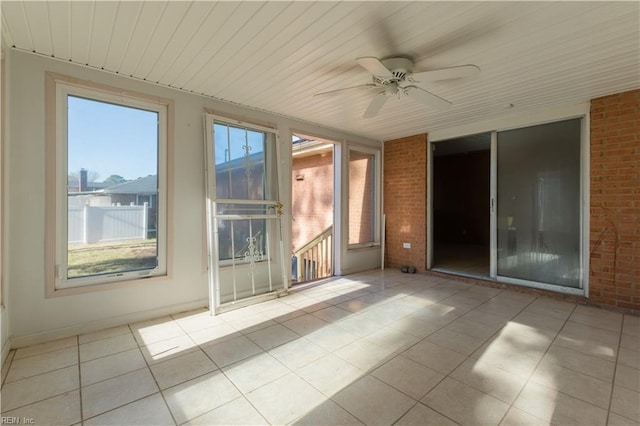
(405, 192)
(614, 272)
(312, 195)
(615, 200)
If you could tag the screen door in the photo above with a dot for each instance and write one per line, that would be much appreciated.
(246, 262)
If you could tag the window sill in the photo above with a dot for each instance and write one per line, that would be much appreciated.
(362, 247)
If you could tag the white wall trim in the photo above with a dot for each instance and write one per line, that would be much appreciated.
(585, 217)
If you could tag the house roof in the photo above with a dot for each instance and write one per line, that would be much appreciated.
(274, 56)
(72, 181)
(303, 146)
(141, 186)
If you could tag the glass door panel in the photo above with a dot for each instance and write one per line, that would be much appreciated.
(244, 225)
(538, 193)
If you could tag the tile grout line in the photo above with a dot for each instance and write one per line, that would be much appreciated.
(108, 378)
(12, 354)
(459, 317)
(418, 401)
(540, 361)
(469, 357)
(365, 373)
(615, 369)
(400, 354)
(47, 352)
(40, 374)
(119, 407)
(137, 346)
(582, 373)
(153, 376)
(511, 404)
(79, 380)
(242, 394)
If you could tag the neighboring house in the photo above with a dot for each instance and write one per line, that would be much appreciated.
(240, 178)
(80, 184)
(137, 192)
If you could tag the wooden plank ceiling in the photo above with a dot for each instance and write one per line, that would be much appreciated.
(274, 56)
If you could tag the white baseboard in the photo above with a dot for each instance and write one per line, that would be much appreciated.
(97, 325)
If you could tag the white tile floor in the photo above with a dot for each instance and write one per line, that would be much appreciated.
(376, 348)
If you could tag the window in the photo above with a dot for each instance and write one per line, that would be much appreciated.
(110, 195)
(240, 177)
(362, 198)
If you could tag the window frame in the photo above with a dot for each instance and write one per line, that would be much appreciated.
(57, 90)
(3, 107)
(375, 153)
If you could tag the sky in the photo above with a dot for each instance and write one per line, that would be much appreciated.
(230, 142)
(109, 139)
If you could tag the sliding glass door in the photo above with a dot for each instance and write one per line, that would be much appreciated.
(538, 193)
(532, 213)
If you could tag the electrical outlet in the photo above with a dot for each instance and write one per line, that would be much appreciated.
(406, 245)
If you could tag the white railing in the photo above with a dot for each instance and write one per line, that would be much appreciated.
(314, 259)
(93, 224)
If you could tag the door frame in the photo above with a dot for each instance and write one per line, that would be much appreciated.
(336, 181)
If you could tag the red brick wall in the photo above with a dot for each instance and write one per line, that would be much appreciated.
(615, 200)
(312, 197)
(405, 206)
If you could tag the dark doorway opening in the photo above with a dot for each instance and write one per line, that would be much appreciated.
(461, 210)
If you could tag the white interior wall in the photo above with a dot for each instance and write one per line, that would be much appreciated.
(34, 318)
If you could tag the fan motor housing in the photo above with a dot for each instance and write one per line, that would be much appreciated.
(399, 67)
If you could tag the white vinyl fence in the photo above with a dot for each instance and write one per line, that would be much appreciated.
(93, 224)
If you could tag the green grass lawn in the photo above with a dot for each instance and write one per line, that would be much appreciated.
(110, 257)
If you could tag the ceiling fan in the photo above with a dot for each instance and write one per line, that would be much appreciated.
(395, 77)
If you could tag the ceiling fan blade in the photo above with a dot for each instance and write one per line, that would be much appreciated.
(347, 89)
(374, 66)
(445, 73)
(374, 107)
(428, 98)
